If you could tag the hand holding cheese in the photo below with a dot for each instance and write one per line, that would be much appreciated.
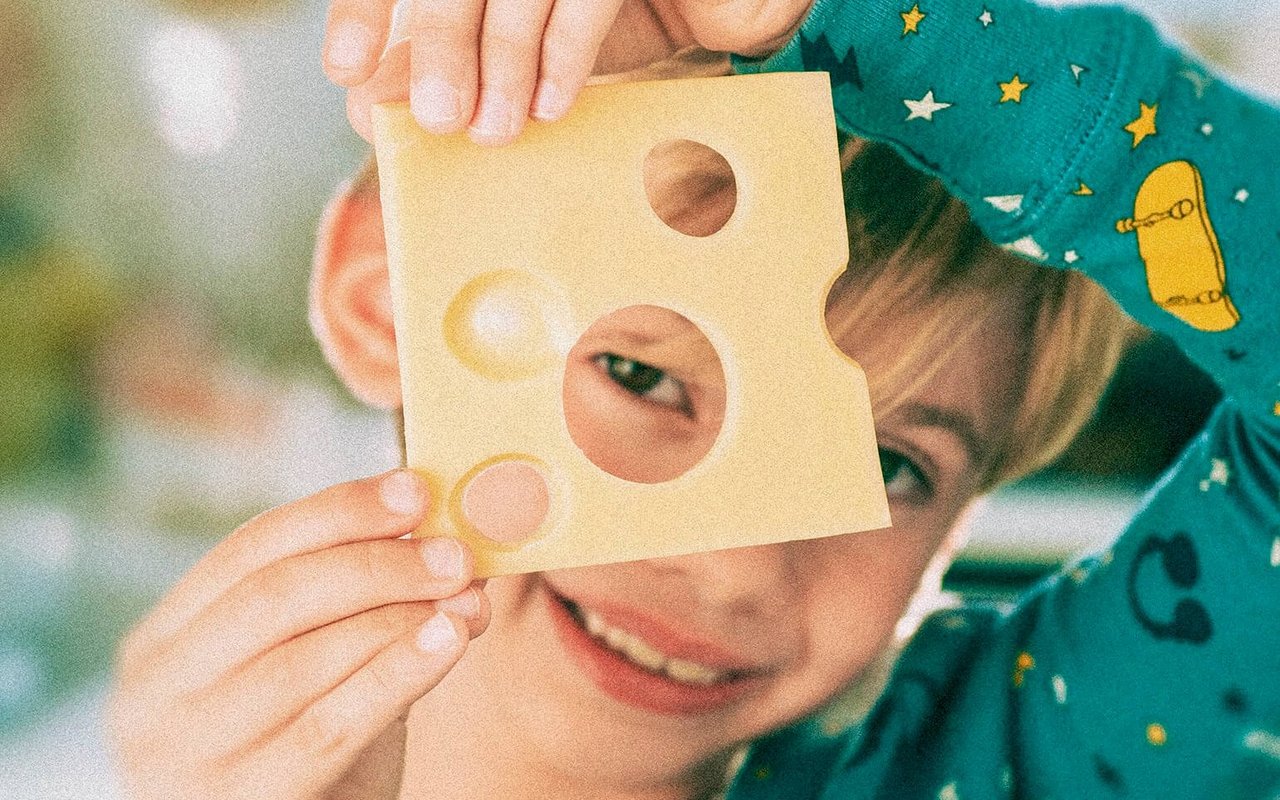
(283, 664)
(486, 67)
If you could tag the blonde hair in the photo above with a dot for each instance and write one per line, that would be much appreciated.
(913, 246)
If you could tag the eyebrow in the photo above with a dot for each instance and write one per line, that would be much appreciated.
(957, 423)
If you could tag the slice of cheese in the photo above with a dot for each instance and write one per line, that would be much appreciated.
(501, 258)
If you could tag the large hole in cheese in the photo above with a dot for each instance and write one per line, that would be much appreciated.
(644, 394)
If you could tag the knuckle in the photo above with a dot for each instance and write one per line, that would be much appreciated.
(384, 681)
(510, 44)
(566, 42)
(351, 570)
(268, 588)
(563, 63)
(442, 23)
(366, 565)
(321, 735)
(353, 494)
(393, 621)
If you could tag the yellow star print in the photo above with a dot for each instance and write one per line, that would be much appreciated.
(1157, 735)
(1024, 663)
(1013, 90)
(1083, 191)
(1144, 125)
(911, 20)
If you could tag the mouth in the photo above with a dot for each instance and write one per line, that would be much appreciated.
(636, 662)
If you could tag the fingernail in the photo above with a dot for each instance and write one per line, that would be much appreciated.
(438, 634)
(443, 556)
(497, 121)
(349, 45)
(465, 604)
(550, 103)
(435, 102)
(402, 493)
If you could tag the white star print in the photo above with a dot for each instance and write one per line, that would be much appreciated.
(949, 792)
(1027, 246)
(1008, 203)
(986, 19)
(1207, 129)
(1059, 689)
(1078, 70)
(1071, 257)
(1219, 473)
(924, 108)
(1263, 742)
(1242, 196)
(1197, 81)
(1275, 552)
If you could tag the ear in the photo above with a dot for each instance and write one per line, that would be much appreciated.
(351, 298)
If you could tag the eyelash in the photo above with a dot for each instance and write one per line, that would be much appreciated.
(641, 380)
(891, 464)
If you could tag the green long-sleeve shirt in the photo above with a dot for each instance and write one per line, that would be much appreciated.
(1082, 140)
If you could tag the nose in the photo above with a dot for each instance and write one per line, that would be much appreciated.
(758, 581)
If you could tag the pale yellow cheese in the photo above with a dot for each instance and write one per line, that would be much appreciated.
(501, 258)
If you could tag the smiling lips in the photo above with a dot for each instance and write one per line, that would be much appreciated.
(643, 663)
(643, 654)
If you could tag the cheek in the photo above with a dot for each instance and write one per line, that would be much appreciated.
(620, 435)
(865, 585)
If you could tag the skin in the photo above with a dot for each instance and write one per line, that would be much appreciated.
(291, 658)
(488, 67)
(306, 655)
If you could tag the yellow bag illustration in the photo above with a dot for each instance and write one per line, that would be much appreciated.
(1186, 274)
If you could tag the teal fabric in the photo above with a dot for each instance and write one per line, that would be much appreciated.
(1153, 669)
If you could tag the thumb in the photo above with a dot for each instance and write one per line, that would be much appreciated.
(746, 27)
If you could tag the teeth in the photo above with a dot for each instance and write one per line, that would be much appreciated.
(593, 622)
(616, 639)
(645, 655)
(689, 672)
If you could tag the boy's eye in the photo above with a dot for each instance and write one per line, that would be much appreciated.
(903, 479)
(645, 381)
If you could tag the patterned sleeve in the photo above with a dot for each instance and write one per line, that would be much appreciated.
(1080, 139)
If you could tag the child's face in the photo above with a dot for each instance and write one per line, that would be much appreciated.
(774, 630)
(636, 671)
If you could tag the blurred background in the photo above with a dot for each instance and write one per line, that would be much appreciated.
(163, 165)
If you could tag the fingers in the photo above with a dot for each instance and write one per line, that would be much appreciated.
(486, 67)
(510, 50)
(298, 719)
(574, 34)
(275, 687)
(382, 507)
(355, 34)
(748, 27)
(325, 738)
(306, 592)
(389, 84)
(444, 80)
